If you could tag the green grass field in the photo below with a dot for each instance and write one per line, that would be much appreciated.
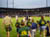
(13, 33)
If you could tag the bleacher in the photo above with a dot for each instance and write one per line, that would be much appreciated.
(24, 12)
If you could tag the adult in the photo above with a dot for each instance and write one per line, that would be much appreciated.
(7, 22)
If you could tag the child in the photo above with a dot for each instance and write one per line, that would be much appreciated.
(42, 24)
(34, 28)
(48, 30)
(17, 26)
(24, 30)
(29, 24)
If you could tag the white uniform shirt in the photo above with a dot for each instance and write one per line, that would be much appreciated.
(7, 20)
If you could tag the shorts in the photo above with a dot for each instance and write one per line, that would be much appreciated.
(17, 29)
(42, 28)
(47, 36)
(33, 30)
(33, 33)
(8, 28)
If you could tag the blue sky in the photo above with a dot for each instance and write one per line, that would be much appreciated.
(24, 3)
(29, 3)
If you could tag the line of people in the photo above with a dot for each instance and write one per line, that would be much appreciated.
(27, 27)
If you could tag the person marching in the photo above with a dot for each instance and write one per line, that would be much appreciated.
(17, 25)
(7, 22)
(24, 30)
(48, 29)
(34, 28)
(29, 24)
(42, 24)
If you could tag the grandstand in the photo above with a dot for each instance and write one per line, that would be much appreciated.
(26, 8)
(25, 12)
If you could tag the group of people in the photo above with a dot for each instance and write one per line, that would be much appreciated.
(27, 27)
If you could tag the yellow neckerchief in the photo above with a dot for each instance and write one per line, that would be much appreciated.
(42, 22)
(47, 24)
(24, 32)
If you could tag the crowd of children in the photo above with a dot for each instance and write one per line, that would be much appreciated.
(27, 27)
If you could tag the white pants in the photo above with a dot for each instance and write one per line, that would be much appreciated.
(33, 33)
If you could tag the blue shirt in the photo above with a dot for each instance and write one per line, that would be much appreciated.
(47, 34)
(34, 25)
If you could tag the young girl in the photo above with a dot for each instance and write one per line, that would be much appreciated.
(48, 30)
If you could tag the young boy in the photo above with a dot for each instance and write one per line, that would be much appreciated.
(42, 24)
(29, 23)
(24, 30)
(17, 26)
(34, 28)
(48, 29)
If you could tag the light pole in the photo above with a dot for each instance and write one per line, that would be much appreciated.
(7, 3)
(13, 3)
(46, 3)
(27, 12)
